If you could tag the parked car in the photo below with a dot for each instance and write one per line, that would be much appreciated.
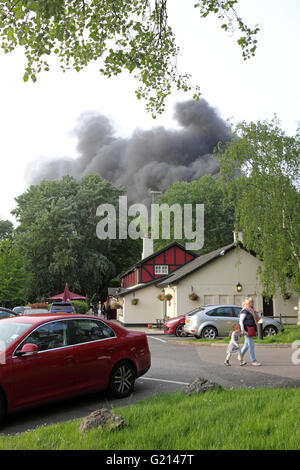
(174, 326)
(6, 313)
(20, 310)
(217, 320)
(36, 311)
(51, 357)
(66, 307)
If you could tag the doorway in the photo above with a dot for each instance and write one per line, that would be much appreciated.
(268, 307)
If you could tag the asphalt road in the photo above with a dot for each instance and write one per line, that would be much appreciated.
(174, 365)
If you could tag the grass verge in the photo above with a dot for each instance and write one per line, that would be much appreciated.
(222, 419)
(290, 334)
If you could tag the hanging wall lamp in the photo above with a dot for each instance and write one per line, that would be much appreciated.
(239, 287)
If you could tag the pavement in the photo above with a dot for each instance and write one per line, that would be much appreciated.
(278, 360)
(149, 331)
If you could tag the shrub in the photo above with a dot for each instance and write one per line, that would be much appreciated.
(39, 305)
(81, 306)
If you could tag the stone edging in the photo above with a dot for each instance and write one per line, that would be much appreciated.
(221, 345)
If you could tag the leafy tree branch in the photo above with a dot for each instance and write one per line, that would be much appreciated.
(125, 35)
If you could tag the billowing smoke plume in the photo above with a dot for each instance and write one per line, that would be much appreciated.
(152, 159)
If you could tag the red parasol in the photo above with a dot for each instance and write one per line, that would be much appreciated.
(67, 295)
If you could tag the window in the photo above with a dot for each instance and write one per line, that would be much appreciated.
(161, 269)
(49, 336)
(84, 331)
(10, 332)
(237, 311)
(221, 312)
(195, 310)
(4, 314)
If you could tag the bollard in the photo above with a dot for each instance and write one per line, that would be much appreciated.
(260, 329)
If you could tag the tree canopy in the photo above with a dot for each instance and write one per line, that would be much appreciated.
(14, 278)
(267, 198)
(218, 211)
(127, 35)
(6, 229)
(57, 234)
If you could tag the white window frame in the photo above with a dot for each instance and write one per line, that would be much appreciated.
(161, 269)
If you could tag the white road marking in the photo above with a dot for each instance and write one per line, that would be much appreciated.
(158, 339)
(162, 380)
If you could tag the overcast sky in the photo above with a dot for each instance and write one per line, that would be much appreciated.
(36, 120)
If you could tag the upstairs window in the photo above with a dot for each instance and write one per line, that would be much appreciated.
(161, 269)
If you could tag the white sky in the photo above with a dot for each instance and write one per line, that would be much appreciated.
(36, 120)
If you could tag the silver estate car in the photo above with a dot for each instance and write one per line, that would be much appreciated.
(211, 321)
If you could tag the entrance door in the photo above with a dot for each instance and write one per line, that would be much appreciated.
(268, 307)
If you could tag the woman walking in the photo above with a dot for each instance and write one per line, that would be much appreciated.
(248, 324)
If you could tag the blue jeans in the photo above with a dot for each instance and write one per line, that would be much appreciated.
(249, 344)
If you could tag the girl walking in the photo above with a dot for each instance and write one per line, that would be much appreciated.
(234, 345)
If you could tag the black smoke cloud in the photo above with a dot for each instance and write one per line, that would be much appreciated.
(149, 159)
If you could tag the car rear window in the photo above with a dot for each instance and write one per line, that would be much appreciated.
(90, 330)
(62, 308)
(34, 311)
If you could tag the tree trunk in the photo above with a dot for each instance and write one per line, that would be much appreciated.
(298, 321)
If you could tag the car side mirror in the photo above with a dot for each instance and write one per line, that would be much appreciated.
(28, 349)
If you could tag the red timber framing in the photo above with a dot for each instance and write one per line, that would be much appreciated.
(158, 265)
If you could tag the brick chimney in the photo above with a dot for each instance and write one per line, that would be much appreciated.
(237, 236)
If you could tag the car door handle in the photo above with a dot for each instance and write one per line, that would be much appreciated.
(69, 358)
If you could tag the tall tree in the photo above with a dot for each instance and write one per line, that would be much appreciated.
(131, 35)
(6, 229)
(268, 199)
(13, 275)
(57, 233)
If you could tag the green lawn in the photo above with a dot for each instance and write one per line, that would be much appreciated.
(288, 336)
(224, 419)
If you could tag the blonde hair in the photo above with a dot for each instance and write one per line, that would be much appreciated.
(246, 302)
(235, 327)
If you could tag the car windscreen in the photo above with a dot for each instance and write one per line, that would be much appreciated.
(10, 332)
(196, 310)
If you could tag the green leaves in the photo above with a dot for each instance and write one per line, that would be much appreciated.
(13, 275)
(57, 234)
(218, 212)
(268, 198)
(131, 35)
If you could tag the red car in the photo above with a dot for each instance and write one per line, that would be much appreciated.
(44, 358)
(174, 326)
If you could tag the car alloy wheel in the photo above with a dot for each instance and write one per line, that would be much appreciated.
(270, 331)
(122, 380)
(180, 331)
(209, 332)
